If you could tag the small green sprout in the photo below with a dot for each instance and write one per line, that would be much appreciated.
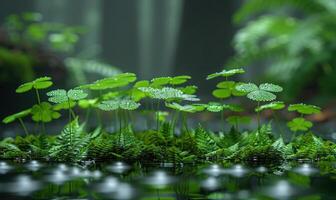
(262, 93)
(37, 84)
(300, 123)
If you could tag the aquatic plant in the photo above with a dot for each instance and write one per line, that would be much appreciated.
(76, 143)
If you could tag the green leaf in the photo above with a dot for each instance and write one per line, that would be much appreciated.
(58, 96)
(109, 105)
(44, 112)
(160, 81)
(221, 93)
(16, 116)
(76, 94)
(277, 105)
(214, 107)
(125, 104)
(177, 80)
(304, 108)
(39, 83)
(190, 89)
(261, 95)
(299, 124)
(87, 103)
(128, 104)
(64, 105)
(167, 93)
(143, 83)
(24, 87)
(270, 87)
(226, 73)
(233, 107)
(247, 87)
(116, 81)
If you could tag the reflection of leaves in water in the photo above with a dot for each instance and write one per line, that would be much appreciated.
(299, 179)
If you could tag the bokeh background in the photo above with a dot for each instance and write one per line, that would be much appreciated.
(288, 42)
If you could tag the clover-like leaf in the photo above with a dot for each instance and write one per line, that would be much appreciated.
(19, 115)
(58, 96)
(39, 83)
(143, 83)
(261, 95)
(128, 104)
(167, 93)
(109, 105)
(247, 87)
(76, 94)
(61, 95)
(299, 124)
(304, 108)
(276, 105)
(226, 73)
(227, 89)
(270, 87)
(44, 112)
(236, 119)
(214, 107)
(125, 104)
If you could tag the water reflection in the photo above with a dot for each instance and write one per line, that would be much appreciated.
(4, 167)
(119, 167)
(121, 181)
(305, 169)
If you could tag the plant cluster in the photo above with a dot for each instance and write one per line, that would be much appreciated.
(170, 141)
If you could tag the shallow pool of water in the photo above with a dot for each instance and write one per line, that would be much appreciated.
(35, 180)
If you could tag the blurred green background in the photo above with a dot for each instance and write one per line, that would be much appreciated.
(288, 42)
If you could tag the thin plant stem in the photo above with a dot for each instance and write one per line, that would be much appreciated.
(38, 96)
(157, 116)
(258, 117)
(23, 126)
(70, 121)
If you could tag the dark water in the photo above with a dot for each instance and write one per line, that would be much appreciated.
(34, 180)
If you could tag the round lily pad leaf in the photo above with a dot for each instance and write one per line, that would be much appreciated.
(127, 104)
(182, 108)
(160, 81)
(109, 105)
(39, 83)
(24, 87)
(44, 112)
(143, 83)
(190, 89)
(299, 124)
(76, 94)
(261, 95)
(57, 96)
(221, 93)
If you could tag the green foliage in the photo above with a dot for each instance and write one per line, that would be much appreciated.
(226, 73)
(19, 115)
(276, 105)
(274, 36)
(39, 83)
(261, 93)
(236, 119)
(227, 89)
(117, 81)
(304, 109)
(125, 104)
(71, 145)
(44, 112)
(62, 96)
(299, 124)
